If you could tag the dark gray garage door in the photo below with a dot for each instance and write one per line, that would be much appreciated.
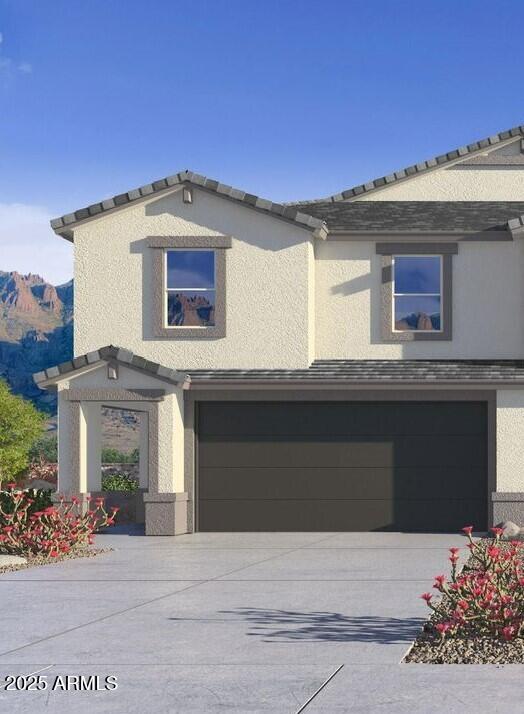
(359, 466)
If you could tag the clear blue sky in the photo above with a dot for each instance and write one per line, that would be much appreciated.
(288, 99)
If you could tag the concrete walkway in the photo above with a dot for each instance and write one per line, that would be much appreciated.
(240, 623)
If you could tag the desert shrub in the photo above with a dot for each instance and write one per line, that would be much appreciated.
(52, 531)
(20, 426)
(121, 481)
(45, 448)
(43, 470)
(486, 597)
(114, 456)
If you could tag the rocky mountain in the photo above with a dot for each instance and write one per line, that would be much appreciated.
(36, 331)
(419, 321)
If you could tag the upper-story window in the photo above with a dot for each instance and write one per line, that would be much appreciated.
(417, 293)
(190, 287)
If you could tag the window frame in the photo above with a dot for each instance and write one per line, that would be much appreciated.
(395, 295)
(161, 245)
(446, 250)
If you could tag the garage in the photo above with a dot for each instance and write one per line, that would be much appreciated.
(341, 466)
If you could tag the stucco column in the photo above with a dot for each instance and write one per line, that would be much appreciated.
(66, 443)
(75, 436)
(143, 464)
(93, 446)
(166, 500)
(508, 499)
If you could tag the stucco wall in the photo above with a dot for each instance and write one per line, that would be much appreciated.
(462, 180)
(269, 301)
(488, 302)
(510, 441)
(464, 184)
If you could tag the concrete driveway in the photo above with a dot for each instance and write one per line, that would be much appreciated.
(269, 622)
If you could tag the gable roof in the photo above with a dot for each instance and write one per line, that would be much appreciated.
(64, 224)
(419, 216)
(416, 169)
(110, 353)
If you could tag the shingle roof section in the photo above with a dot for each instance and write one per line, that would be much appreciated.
(375, 372)
(419, 216)
(110, 353)
(63, 224)
(423, 166)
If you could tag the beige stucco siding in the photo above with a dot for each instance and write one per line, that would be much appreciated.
(488, 302)
(466, 179)
(510, 440)
(269, 297)
(456, 184)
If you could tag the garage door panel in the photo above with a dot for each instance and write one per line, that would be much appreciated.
(339, 515)
(349, 483)
(364, 418)
(399, 451)
(271, 453)
(455, 450)
(296, 483)
(292, 515)
(440, 418)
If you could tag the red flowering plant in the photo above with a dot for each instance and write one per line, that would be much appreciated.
(53, 531)
(486, 597)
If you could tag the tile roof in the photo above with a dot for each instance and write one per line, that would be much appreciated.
(419, 216)
(320, 371)
(374, 372)
(436, 162)
(63, 224)
(107, 354)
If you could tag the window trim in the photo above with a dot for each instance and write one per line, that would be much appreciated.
(387, 251)
(440, 295)
(160, 245)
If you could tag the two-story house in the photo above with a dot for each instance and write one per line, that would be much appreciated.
(349, 363)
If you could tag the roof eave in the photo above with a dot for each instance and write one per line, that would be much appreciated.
(64, 225)
(437, 162)
(52, 376)
(344, 382)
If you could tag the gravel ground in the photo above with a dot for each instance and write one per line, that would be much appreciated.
(40, 560)
(428, 648)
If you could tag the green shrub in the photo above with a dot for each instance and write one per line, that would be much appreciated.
(21, 425)
(41, 499)
(114, 456)
(46, 448)
(122, 481)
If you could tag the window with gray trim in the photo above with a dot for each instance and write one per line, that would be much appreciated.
(189, 286)
(416, 300)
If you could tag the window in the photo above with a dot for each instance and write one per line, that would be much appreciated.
(417, 293)
(190, 288)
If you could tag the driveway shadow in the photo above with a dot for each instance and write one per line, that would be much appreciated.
(289, 626)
